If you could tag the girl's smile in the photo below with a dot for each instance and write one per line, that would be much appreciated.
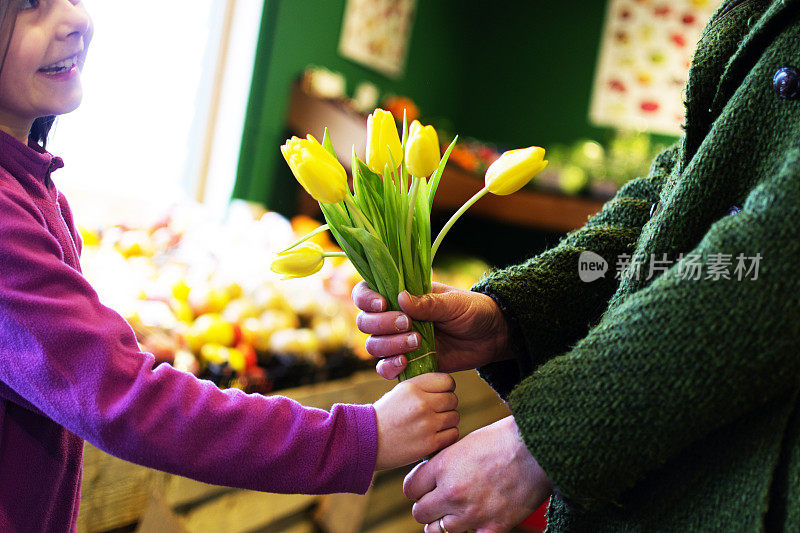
(41, 73)
(61, 69)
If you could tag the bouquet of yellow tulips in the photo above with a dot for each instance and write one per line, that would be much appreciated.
(383, 225)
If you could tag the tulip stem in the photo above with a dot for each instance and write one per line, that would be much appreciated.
(412, 203)
(353, 208)
(304, 238)
(334, 254)
(453, 219)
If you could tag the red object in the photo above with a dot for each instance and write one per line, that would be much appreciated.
(255, 379)
(649, 106)
(678, 39)
(688, 19)
(237, 334)
(537, 522)
(616, 85)
(249, 353)
(662, 11)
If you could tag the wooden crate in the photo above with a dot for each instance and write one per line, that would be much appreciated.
(116, 493)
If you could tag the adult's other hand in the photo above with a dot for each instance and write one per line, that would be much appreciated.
(488, 481)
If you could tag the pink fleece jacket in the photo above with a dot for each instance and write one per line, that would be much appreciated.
(70, 369)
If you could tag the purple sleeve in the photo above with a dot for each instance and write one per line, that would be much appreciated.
(78, 362)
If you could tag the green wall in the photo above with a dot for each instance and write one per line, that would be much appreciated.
(297, 33)
(514, 72)
(531, 70)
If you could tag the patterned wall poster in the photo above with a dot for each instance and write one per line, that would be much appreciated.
(644, 59)
(375, 33)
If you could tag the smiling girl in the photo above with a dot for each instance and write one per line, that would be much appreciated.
(70, 368)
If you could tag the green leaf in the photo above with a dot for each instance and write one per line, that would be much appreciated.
(359, 261)
(412, 274)
(355, 253)
(422, 221)
(410, 242)
(390, 214)
(371, 192)
(398, 208)
(327, 144)
(372, 182)
(339, 214)
(359, 193)
(400, 184)
(403, 168)
(386, 275)
(434, 184)
(367, 198)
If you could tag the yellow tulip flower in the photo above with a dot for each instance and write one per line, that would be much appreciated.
(382, 140)
(301, 261)
(316, 169)
(514, 169)
(422, 150)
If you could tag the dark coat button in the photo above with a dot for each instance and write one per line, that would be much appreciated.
(655, 209)
(786, 82)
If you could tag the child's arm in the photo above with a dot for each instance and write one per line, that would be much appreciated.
(678, 359)
(65, 354)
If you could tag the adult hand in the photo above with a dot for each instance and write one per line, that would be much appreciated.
(488, 481)
(470, 329)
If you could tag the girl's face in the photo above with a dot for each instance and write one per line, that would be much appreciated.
(41, 74)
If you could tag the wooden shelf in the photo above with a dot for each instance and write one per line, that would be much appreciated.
(347, 128)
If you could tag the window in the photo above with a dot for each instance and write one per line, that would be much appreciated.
(134, 146)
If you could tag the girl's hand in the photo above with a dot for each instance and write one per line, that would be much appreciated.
(415, 419)
(469, 327)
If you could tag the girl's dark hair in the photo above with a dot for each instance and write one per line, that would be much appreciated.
(41, 129)
(8, 16)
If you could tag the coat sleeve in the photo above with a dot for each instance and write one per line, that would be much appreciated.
(545, 302)
(78, 362)
(677, 359)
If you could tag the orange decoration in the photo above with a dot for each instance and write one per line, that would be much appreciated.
(397, 104)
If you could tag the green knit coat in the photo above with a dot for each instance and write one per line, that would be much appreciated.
(671, 403)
